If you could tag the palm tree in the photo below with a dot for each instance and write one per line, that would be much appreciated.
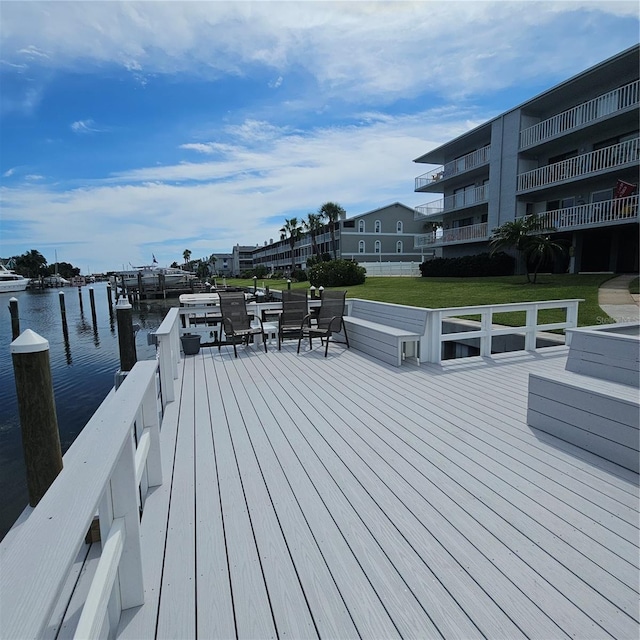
(540, 249)
(525, 236)
(291, 231)
(186, 254)
(313, 226)
(332, 212)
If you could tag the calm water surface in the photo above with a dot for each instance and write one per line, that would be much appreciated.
(82, 369)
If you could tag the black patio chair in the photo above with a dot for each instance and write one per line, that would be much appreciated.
(294, 310)
(237, 321)
(329, 320)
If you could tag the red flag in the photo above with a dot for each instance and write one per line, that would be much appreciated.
(624, 189)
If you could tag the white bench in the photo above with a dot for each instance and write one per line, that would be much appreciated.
(597, 415)
(389, 332)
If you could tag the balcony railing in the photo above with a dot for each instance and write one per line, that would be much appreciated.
(606, 104)
(589, 163)
(595, 213)
(449, 236)
(460, 200)
(460, 165)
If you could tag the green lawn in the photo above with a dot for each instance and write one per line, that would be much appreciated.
(459, 292)
(634, 286)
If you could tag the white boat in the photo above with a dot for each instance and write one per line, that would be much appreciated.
(11, 281)
(149, 274)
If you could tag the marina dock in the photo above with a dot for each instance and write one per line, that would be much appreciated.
(343, 497)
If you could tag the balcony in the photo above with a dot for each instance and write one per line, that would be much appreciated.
(604, 105)
(454, 168)
(460, 200)
(616, 211)
(613, 157)
(470, 233)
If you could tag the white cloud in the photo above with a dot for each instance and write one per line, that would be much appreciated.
(354, 50)
(9, 172)
(84, 126)
(241, 197)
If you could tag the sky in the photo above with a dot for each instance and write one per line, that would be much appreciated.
(134, 130)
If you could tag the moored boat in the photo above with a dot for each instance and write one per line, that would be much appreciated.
(150, 275)
(11, 281)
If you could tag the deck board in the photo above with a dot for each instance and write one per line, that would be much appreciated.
(342, 497)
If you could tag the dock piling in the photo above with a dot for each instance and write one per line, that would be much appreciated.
(36, 405)
(126, 336)
(92, 301)
(15, 318)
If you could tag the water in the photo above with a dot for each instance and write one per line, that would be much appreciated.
(82, 369)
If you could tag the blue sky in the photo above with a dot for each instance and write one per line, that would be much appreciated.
(136, 129)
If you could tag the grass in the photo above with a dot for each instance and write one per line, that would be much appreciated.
(634, 286)
(462, 292)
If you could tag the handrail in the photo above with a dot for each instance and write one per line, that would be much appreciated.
(460, 165)
(487, 331)
(593, 213)
(582, 114)
(611, 157)
(99, 476)
(469, 233)
(168, 341)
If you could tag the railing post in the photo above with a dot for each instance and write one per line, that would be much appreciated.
(531, 323)
(572, 320)
(37, 409)
(151, 421)
(126, 337)
(435, 348)
(486, 319)
(124, 497)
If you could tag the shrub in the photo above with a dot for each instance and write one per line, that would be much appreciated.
(336, 273)
(482, 264)
(299, 275)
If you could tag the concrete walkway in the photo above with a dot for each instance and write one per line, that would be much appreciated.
(616, 301)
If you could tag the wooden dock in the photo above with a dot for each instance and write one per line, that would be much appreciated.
(343, 498)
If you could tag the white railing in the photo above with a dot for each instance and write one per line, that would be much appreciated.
(459, 200)
(106, 473)
(611, 157)
(604, 105)
(595, 213)
(448, 236)
(460, 165)
(435, 336)
(168, 342)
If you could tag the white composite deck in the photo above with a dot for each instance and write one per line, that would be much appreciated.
(341, 498)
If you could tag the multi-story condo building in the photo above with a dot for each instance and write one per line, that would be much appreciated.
(241, 259)
(571, 154)
(385, 234)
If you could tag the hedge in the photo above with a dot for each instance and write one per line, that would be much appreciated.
(482, 264)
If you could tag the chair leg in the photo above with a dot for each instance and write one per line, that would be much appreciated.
(346, 335)
(326, 347)
(264, 341)
(235, 351)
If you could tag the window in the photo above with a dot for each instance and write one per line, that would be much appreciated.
(361, 246)
(602, 196)
(399, 226)
(360, 226)
(399, 246)
(377, 226)
(377, 246)
(348, 224)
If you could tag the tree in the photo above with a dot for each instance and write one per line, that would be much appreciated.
(332, 212)
(526, 236)
(291, 231)
(313, 226)
(539, 249)
(31, 264)
(186, 254)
